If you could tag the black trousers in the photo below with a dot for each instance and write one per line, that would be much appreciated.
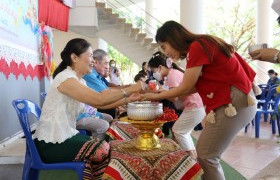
(112, 112)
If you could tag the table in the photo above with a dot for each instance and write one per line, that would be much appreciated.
(119, 130)
(168, 162)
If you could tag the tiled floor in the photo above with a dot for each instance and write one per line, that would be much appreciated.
(249, 155)
(246, 154)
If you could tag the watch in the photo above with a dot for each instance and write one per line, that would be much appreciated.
(275, 57)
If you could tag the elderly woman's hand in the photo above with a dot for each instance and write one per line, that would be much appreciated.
(138, 87)
(266, 54)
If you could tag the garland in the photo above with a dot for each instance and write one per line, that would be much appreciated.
(17, 69)
(20, 61)
(46, 47)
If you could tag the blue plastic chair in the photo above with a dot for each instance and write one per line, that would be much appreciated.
(33, 163)
(267, 109)
(267, 100)
(264, 88)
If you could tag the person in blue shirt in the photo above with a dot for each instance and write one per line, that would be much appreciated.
(96, 80)
(273, 79)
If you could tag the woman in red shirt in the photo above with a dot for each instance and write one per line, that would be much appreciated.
(223, 80)
(192, 106)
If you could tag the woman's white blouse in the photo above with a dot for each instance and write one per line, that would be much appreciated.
(58, 119)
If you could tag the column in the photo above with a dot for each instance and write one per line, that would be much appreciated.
(264, 35)
(98, 43)
(150, 18)
(102, 44)
(192, 15)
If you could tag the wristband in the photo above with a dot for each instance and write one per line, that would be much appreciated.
(124, 93)
(275, 58)
(125, 101)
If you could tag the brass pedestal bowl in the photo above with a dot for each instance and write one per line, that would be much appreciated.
(146, 140)
(142, 115)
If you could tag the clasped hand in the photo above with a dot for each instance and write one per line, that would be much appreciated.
(150, 95)
(266, 54)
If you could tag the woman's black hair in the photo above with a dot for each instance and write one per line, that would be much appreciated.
(180, 39)
(143, 64)
(159, 58)
(76, 46)
(271, 71)
(112, 61)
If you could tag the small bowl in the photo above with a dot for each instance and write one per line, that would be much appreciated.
(144, 111)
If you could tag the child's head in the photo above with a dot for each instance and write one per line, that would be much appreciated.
(160, 65)
(140, 77)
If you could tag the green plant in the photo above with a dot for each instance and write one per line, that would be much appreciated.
(128, 68)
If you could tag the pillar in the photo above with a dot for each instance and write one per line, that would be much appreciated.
(192, 15)
(150, 18)
(264, 35)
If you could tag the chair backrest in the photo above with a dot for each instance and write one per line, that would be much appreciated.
(275, 105)
(24, 109)
(274, 85)
(264, 88)
(271, 95)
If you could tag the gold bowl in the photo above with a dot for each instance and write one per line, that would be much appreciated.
(146, 140)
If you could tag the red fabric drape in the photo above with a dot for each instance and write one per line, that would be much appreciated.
(54, 13)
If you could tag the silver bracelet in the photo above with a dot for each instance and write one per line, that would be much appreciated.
(124, 93)
(125, 101)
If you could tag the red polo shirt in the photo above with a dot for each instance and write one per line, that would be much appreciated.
(219, 74)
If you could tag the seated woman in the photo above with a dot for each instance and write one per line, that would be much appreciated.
(273, 78)
(193, 110)
(56, 137)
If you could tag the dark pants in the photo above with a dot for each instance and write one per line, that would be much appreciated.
(112, 112)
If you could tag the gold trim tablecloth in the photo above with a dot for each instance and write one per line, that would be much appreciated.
(125, 131)
(168, 162)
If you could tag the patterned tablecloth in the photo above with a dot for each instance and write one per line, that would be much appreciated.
(168, 162)
(124, 131)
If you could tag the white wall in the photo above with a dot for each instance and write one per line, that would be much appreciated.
(61, 38)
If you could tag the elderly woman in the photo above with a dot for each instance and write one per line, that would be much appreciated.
(56, 137)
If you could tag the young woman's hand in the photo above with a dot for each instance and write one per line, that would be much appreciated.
(134, 97)
(149, 97)
(138, 87)
(161, 89)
